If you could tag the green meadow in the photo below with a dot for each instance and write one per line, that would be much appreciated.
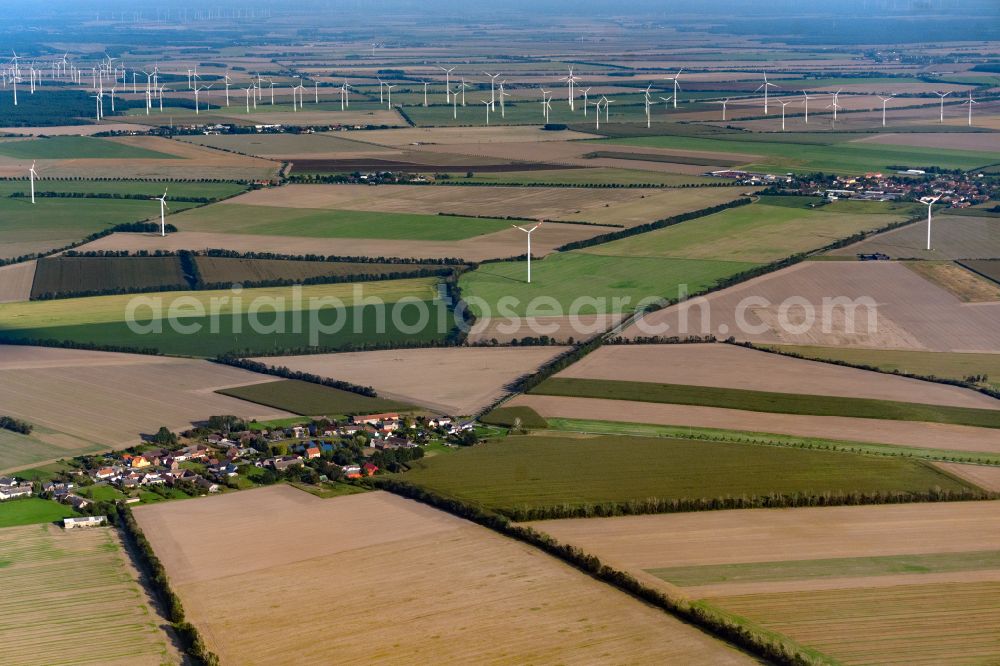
(76, 147)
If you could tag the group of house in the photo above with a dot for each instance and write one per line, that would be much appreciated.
(12, 488)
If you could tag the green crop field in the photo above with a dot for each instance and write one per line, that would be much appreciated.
(274, 221)
(765, 401)
(524, 113)
(759, 233)
(949, 365)
(563, 469)
(311, 399)
(75, 589)
(508, 417)
(31, 510)
(175, 190)
(17, 450)
(56, 222)
(76, 147)
(76, 275)
(215, 270)
(102, 320)
(619, 283)
(886, 565)
(779, 154)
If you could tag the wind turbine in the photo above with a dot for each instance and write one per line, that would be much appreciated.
(228, 81)
(597, 106)
(503, 93)
(607, 110)
(929, 201)
(487, 103)
(381, 91)
(723, 102)
(529, 232)
(32, 174)
(783, 105)
(942, 96)
(163, 212)
(677, 86)
(248, 89)
(764, 86)
(970, 102)
(666, 102)
(463, 87)
(834, 106)
(345, 100)
(585, 91)
(805, 101)
(447, 82)
(493, 93)
(546, 106)
(425, 93)
(570, 84)
(648, 102)
(388, 89)
(885, 100)
(454, 105)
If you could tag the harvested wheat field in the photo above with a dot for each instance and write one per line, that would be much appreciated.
(627, 207)
(953, 237)
(984, 476)
(453, 381)
(78, 398)
(74, 598)
(879, 431)
(737, 367)
(498, 245)
(288, 146)
(966, 285)
(455, 592)
(16, 281)
(462, 135)
(914, 583)
(75, 130)
(559, 328)
(906, 311)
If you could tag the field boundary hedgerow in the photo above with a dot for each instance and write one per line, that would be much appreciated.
(190, 638)
(767, 645)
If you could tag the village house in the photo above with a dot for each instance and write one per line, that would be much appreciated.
(84, 521)
(375, 419)
(312, 452)
(56, 491)
(77, 502)
(11, 488)
(284, 462)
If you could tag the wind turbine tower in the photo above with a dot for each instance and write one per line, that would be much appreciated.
(929, 201)
(529, 232)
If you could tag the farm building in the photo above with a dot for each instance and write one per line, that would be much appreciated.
(84, 521)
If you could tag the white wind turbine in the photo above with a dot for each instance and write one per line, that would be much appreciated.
(764, 86)
(487, 103)
(677, 86)
(503, 93)
(228, 81)
(833, 105)
(885, 100)
(723, 102)
(546, 106)
(248, 89)
(447, 82)
(388, 89)
(425, 93)
(929, 201)
(597, 107)
(463, 87)
(648, 103)
(345, 100)
(493, 92)
(783, 105)
(805, 101)
(163, 212)
(529, 232)
(32, 174)
(942, 96)
(381, 90)
(570, 86)
(666, 103)
(970, 102)
(585, 91)
(454, 105)
(316, 92)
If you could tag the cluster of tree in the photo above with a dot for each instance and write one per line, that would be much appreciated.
(586, 186)
(651, 226)
(164, 437)
(194, 645)
(770, 647)
(448, 261)
(51, 108)
(560, 362)
(660, 340)
(15, 425)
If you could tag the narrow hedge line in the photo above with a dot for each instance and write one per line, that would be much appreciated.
(106, 195)
(128, 227)
(191, 640)
(772, 501)
(772, 647)
(72, 344)
(286, 373)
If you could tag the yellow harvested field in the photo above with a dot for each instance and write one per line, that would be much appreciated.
(559, 328)
(108, 399)
(288, 146)
(468, 135)
(737, 367)
(74, 598)
(896, 309)
(499, 245)
(963, 283)
(16, 281)
(419, 585)
(458, 381)
(628, 207)
(880, 431)
(74, 130)
(985, 476)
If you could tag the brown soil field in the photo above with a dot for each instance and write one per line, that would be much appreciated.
(984, 476)
(911, 312)
(16, 281)
(502, 330)
(109, 399)
(880, 431)
(287, 146)
(75, 588)
(451, 591)
(382, 164)
(499, 245)
(74, 130)
(468, 135)
(737, 367)
(453, 381)
(963, 283)
(232, 269)
(953, 236)
(953, 140)
(600, 206)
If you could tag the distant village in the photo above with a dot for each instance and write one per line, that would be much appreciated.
(231, 454)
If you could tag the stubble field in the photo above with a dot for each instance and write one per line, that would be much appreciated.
(539, 610)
